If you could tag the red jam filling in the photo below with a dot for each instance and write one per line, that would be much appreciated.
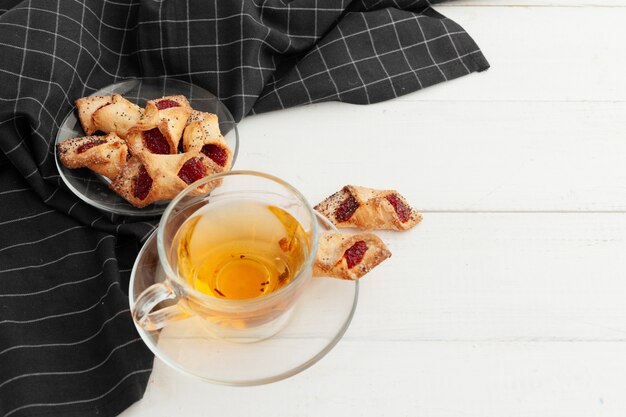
(192, 170)
(88, 145)
(143, 183)
(216, 153)
(155, 141)
(355, 253)
(402, 210)
(166, 104)
(346, 209)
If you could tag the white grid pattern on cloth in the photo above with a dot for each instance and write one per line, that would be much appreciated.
(402, 50)
(377, 55)
(54, 261)
(65, 344)
(70, 313)
(81, 401)
(331, 96)
(443, 23)
(354, 62)
(80, 371)
(47, 116)
(239, 100)
(284, 55)
(26, 294)
(430, 54)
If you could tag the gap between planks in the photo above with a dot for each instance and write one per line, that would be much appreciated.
(368, 339)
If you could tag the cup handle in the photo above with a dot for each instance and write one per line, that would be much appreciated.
(150, 298)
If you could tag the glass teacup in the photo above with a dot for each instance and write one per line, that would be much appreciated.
(237, 257)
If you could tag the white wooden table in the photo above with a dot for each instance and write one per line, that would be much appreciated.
(510, 298)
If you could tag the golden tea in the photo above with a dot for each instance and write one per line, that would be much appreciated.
(240, 249)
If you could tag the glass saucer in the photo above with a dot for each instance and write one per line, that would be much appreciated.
(93, 188)
(322, 316)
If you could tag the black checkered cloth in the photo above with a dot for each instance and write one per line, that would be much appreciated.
(68, 346)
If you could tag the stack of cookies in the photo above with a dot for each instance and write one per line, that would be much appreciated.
(350, 256)
(149, 154)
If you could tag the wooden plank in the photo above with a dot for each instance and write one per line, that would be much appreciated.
(503, 277)
(450, 155)
(558, 53)
(383, 378)
(493, 277)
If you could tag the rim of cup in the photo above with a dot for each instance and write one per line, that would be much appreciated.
(173, 275)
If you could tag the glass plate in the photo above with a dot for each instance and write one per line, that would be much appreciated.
(93, 188)
(321, 317)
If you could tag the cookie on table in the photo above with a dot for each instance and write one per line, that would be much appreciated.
(368, 208)
(348, 257)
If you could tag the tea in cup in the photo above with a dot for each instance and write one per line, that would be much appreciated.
(237, 257)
